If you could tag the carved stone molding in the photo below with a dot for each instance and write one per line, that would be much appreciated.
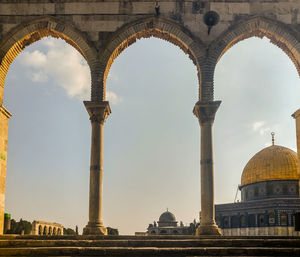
(296, 114)
(206, 111)
(98, 111)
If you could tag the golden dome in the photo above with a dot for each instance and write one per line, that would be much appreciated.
(272, 163)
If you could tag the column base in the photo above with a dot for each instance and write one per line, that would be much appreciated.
(209, 230)
(93, 228)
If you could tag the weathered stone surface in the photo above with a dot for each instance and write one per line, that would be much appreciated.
(101, 30)
(4, 117)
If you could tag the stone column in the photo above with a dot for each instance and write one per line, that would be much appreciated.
(4, 117)
(98, 112)
(296, 116)
(205, 112)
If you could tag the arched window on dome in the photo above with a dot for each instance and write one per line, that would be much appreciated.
(283, 219)
(256, 191)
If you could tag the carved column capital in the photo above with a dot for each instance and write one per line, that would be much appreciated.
(206, 111)
(98, 111)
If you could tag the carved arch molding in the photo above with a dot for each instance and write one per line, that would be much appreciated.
(100, 57)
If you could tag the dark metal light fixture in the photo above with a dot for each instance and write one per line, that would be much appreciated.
(157, 8)
(211, 19)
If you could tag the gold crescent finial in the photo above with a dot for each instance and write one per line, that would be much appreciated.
(273, 140)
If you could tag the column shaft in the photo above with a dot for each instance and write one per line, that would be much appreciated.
(205, 112)
(207, 177)
(296, 116)
(98, 112)
(96, 174)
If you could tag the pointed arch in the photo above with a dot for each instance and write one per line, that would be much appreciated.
(25, 34)
(144, 28)
(279, 34)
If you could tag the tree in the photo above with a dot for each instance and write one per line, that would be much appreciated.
(192, 228)
(18, 227)
(69, 231)
(112, 231)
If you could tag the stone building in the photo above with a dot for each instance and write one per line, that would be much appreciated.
(269, 196)
(167, 225)
(46, 228)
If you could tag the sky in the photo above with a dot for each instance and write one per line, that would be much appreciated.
(151, 139)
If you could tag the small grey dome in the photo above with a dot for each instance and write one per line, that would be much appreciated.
(167, 217)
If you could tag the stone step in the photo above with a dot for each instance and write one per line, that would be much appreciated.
(129, 237)
(187, 246)
(183, 243)
(150, 251)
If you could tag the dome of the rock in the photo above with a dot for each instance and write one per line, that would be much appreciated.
(271, 163)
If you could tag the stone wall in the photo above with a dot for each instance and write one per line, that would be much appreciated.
(108, 16)
(4, 116)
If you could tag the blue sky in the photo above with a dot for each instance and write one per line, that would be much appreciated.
(151, 139)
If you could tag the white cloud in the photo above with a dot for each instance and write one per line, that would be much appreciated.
(112, 77)
(263, 131)
(257, 125)
(65, 66)
(39, 76)
(113, 97)
(34, 59)
(260, 127)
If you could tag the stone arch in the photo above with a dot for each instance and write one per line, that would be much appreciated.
(54, 231)
(50, 230)
(279, 34)
(145, 28)
(27, 33)
(58, 231)
(44, 230)
(40, 232)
